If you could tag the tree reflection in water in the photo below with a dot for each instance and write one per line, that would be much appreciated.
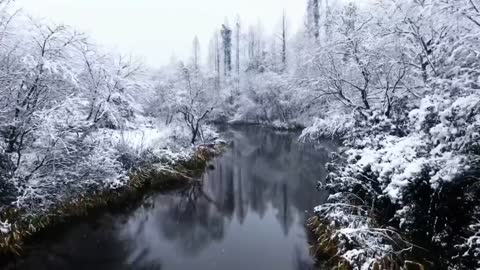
(255, 199)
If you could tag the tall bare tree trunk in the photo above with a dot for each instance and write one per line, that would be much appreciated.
(284, 41)
(217, 62)
(196, 54)
(237, 47)
(313, 23)
(227, 49)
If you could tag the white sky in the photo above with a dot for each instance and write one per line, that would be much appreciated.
(155, 29)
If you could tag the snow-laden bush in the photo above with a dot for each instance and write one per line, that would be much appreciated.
(451, 125)
(407, 178)
(441, 140)
(267, 98)
(336, 126)
(161, 143)
(348, 227)
(470, 246)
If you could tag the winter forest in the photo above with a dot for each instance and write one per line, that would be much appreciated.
(395, 82)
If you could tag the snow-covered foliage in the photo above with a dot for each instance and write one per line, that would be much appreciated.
(440, 142)
(187, 92)
(338, 125)
(267, 98)
(358, 241)
(471, 246)
(399, 83)
(75, 120)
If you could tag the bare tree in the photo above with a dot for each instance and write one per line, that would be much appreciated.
(194, 105)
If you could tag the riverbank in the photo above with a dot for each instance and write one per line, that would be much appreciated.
(142, 181)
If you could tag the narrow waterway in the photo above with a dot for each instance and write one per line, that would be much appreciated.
(248, 212)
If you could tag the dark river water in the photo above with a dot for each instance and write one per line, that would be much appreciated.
(248, 212)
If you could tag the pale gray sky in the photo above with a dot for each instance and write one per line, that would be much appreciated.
(154, 29)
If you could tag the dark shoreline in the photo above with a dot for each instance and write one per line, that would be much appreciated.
(292, 127)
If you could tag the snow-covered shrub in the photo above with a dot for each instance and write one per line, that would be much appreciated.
(471, 246)
(411, 175)
(441, 140)
(209, 134)
(56, 171)
(350, 224)
(451, 125)
(338, 125)
(268, 97)
(147, 145)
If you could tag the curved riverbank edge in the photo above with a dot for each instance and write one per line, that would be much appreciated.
(143, 182)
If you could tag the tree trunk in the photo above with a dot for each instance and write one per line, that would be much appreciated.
(284, 42)
(195, 133)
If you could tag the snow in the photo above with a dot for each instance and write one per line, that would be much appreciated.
(143, 137)
(335, 126)
(5, 227)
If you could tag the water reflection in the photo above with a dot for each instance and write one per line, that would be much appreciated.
(247, 213)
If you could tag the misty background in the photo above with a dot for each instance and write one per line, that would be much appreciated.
(156, 30)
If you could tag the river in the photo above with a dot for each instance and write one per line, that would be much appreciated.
(247, 212)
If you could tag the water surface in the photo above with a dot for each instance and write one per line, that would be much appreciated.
(248, 212)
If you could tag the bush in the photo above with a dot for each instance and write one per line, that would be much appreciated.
(420, 181)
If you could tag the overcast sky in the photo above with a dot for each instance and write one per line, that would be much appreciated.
(154, 29)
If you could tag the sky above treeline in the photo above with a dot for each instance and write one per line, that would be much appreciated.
(157, 29)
